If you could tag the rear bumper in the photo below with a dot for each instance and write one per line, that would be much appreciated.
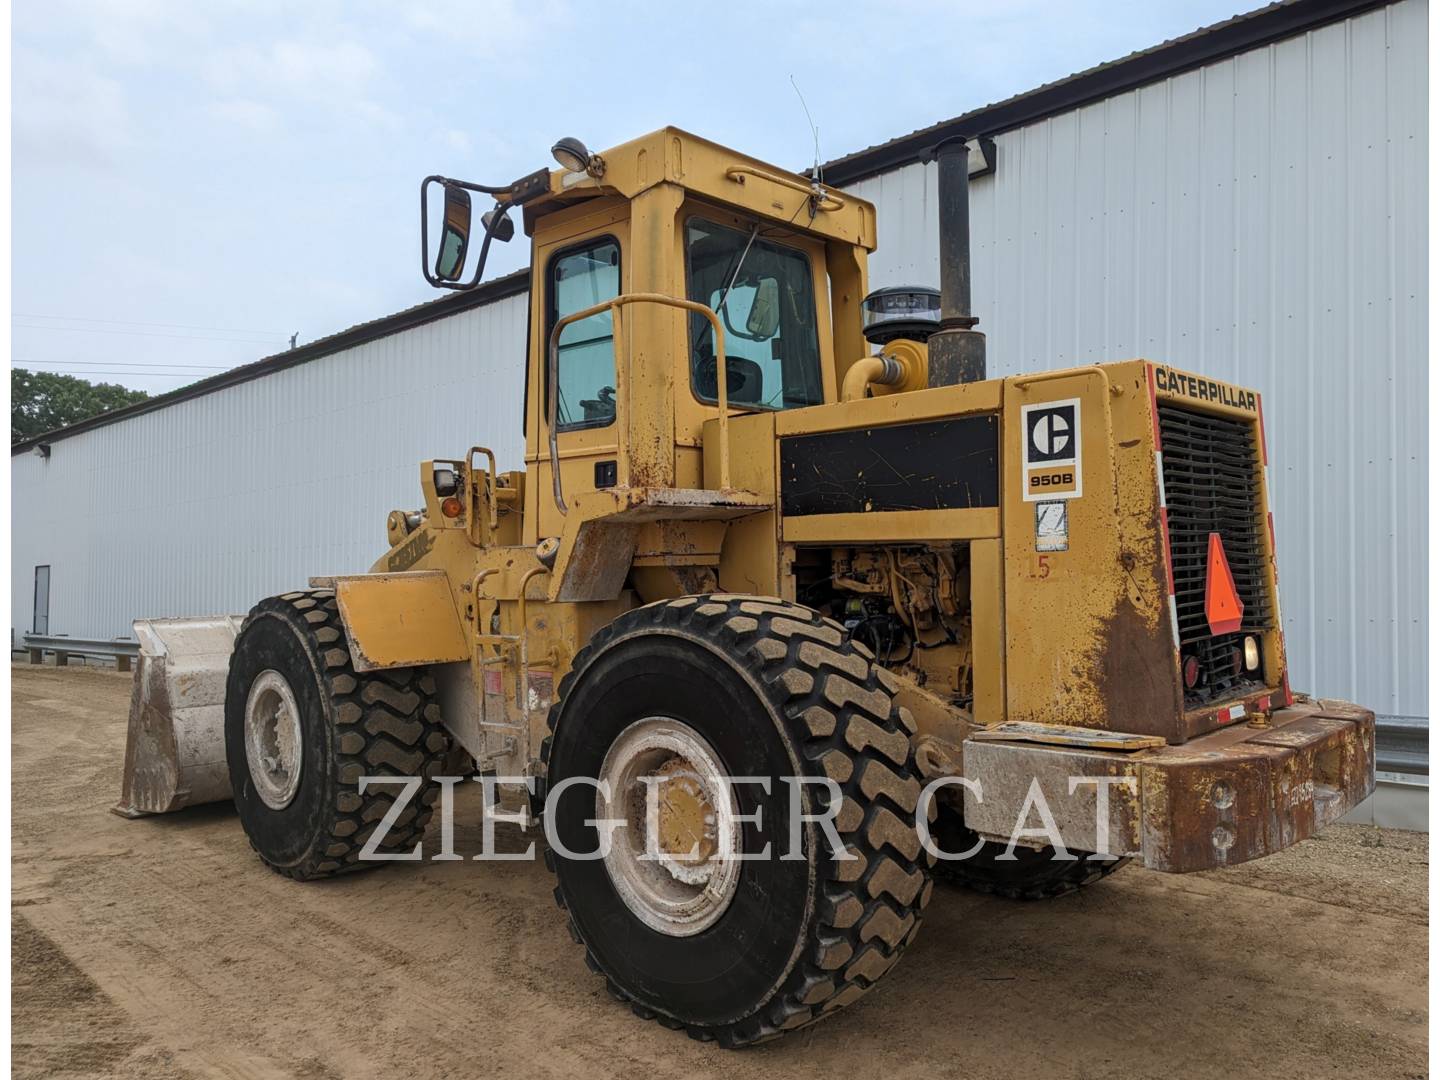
(1217, 800)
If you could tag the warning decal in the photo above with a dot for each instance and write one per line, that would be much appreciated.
(1052, 527)
(1051, 452)
(1223, 607)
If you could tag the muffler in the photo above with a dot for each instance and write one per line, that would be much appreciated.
(175, 748)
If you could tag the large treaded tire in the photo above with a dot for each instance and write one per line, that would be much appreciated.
(796, 682)
(1032, 875)
(354, 724)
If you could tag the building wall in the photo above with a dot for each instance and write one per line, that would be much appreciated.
(1261, 220)
(209, 504)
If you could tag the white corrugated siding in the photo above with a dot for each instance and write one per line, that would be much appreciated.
(207, 505)
(1261, 220)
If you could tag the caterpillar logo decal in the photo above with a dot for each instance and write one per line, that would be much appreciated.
(1192, 386)
(1051, 450)
(410, 552)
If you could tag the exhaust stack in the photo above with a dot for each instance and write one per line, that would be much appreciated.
(957, 349)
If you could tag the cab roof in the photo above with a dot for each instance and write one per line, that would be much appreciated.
(718, 174)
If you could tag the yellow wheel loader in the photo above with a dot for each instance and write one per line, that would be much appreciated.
(790, 611)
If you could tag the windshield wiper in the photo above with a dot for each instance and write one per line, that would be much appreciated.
(734, 276)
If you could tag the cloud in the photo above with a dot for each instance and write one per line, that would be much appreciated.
(340, 77)
(67, 114)
(313, 69)
(499, 31)
(129, 33)
(243, 113)
(344, 65)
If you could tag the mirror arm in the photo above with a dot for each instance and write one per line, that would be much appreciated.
(514, 194)
(517, 191)
(482, 189)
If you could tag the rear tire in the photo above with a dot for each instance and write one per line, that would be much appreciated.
(759, 687)
(1034, 874)
(302, 726)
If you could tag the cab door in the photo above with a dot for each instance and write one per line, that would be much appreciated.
(574, 272)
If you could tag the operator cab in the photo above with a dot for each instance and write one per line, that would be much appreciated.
(648, 263)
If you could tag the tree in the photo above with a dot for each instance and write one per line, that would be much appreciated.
(42, 401)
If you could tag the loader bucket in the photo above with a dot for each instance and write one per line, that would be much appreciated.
(175, 750)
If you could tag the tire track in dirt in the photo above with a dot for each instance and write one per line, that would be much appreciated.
(162, 948)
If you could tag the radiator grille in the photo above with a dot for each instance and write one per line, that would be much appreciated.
(1212, 484)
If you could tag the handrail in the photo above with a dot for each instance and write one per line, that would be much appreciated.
(521, 614)
(552, 377)
(824, 199)
(522, 670)
(493, 483)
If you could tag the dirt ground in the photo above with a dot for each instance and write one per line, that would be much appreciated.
(162, 948)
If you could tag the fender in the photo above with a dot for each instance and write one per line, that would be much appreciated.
(399, 620)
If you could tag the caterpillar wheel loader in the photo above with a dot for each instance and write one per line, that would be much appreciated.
(774, 527)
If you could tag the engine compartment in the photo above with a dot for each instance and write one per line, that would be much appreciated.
(909, 604)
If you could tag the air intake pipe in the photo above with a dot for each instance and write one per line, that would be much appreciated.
(957, 349)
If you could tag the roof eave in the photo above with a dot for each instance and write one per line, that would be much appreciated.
(488, 292)
(1205, 46)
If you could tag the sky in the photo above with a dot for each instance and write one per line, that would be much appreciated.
(194, 182)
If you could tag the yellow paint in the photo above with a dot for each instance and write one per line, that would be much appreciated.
(987, 603)
(400, 620)
(1088, 640)
(893, 526)
(1079, 637)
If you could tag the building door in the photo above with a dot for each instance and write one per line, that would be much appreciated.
(42, 601)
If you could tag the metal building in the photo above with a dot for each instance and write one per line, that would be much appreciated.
(1247, 202)
(203, 500)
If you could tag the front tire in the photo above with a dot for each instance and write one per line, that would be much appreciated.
(753, 687)
(302, 726)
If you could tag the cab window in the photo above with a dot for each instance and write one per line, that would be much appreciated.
(579, 278)
(764, 294)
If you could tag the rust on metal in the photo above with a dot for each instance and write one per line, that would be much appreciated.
(1063, 735)
(1228, 797)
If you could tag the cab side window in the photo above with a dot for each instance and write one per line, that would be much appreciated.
(579, 278)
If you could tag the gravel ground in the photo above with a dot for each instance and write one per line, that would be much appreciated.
(162, 948)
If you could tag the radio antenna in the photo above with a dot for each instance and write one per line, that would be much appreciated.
(814, 131)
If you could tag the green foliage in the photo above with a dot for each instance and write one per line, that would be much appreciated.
(41, 401)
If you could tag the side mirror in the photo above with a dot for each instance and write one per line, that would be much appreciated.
(454, 247)
(764, 318)
(502, 229)
(454, 235)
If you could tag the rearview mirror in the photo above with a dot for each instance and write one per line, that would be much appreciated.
(455, 235)
(764, 317)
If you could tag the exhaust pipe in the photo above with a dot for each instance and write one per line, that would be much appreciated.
(957, 349)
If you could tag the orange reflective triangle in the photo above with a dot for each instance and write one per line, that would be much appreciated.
(1223, 606)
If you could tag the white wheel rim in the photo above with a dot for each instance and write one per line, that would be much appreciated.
(688, 876)
(273, 747)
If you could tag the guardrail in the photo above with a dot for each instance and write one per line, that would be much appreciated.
(1402, 746)
(123, 650)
